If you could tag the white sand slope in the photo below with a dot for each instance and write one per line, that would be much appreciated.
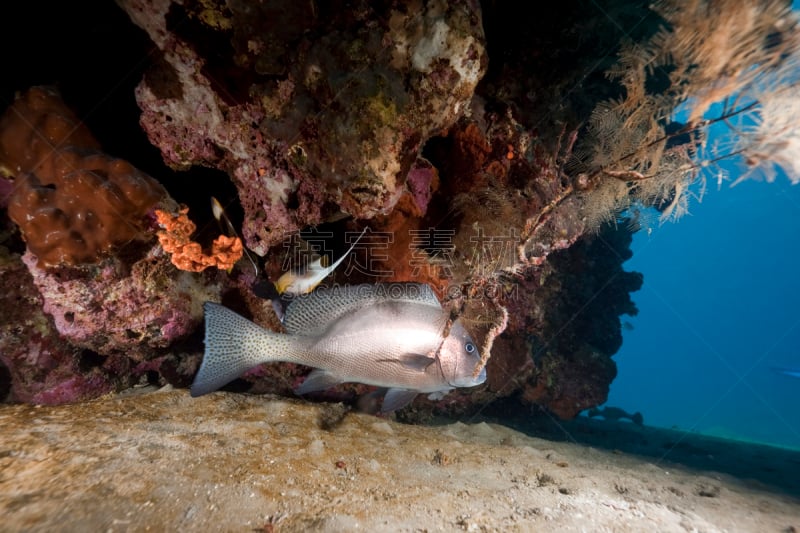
(163, 461)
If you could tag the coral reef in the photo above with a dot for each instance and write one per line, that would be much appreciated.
(374, 115)
(343, 118)
(331, 123)
(584, 290)
(35, 127)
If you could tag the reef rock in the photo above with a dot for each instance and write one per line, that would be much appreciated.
(36, 365)
(310, 109)
(115, 308)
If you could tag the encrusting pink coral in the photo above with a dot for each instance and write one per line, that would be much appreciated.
(175, 239)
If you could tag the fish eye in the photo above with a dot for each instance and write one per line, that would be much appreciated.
(469, 347)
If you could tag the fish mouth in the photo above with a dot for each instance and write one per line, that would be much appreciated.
(481, 377)
(469, 381)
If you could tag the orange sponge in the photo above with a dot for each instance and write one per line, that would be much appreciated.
(175, 239)
(72, 203)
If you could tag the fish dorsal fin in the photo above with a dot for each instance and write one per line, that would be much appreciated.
(313, 313)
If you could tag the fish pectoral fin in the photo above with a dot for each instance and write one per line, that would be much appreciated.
(397, 399)
(412, 361)
(318, 380)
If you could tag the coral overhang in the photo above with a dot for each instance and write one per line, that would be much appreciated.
(376, 116)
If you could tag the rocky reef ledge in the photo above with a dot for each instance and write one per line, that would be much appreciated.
(161, 461)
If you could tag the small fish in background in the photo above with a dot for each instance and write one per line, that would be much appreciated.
(386, 335)
(297, 282)
(291, 283)
(227, 227)
(262, 288)
(616, 413)
(791, 372)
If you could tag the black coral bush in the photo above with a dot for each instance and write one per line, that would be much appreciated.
(733, 63)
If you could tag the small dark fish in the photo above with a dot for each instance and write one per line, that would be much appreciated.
(386, 335)
(616, 413)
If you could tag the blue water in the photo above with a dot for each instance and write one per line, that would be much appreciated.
(718, 309)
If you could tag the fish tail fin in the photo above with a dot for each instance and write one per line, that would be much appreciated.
(233, 346)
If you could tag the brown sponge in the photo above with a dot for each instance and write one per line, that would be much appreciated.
(72, 202)
(36, 125)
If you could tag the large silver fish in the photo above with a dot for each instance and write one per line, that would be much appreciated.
(387, 335)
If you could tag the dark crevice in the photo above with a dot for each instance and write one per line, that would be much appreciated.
(89, 360)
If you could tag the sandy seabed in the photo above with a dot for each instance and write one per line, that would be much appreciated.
(162, 461)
